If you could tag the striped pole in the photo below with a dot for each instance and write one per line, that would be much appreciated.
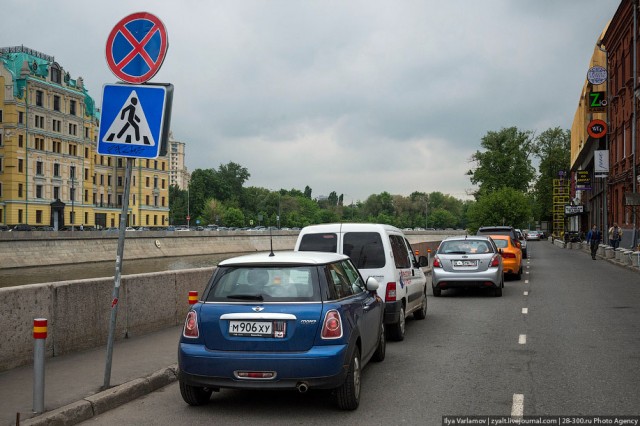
(39, 336)
(193, 297)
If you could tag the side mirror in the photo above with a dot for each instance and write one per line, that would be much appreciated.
(423, 261)
(372, 284)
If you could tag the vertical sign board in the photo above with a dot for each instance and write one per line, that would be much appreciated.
(135, 120)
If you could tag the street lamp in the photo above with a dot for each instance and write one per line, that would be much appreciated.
(73, 197)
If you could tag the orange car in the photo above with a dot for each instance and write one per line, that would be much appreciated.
(511, 255)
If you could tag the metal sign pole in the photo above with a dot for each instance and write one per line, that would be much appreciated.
(119, 257)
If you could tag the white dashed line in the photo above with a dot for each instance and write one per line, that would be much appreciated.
(526, 293)
(526, 281)
(522, 339)
(517, 407)
(525, 310)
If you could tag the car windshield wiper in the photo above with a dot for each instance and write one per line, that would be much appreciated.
(456, 252)
(246, 296)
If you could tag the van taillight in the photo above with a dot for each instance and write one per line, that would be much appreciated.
(390, 295)
(332, 327)
(191, 325)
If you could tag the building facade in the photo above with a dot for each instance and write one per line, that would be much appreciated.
(50, 171)
(178, 170)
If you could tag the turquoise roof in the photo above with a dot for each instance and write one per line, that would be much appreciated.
(14, 58)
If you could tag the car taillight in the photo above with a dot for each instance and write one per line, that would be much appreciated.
(191, 325)
(390, 295)
(332, 327)
(495, 261)
(436, 262)
(509, 255)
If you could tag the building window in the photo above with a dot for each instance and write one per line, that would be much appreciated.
(57, 125)
(86, 217)
(38, 191)
(72, 172)
(19, 215)
(163, 201)
(119, 180)
(147, 219)
(155, 219)
(155, 182)
(72, 107)
(55, 74)
(56, 103)
(56, 146)
(20, 190)
(39, 168)
(56, 170)
(86, 196)
(109, 161)
(155, 201)
(163, 183)
(119, 199)
(1, 168)
(73, 129)
(86, 133)
(20, 117)
(147, 200)
(109, 180)
(109, 199)
(0, 116)
(86, 153)
(133, 199)
(39, 143)
(39, 97)
(155, 164)
(101, 179)
(39, 121)
(72, 194)
(20, 165)
(119, 162)
(20, 141)
(38, 216)
(56, 192)
(86, 174)
(147, 182)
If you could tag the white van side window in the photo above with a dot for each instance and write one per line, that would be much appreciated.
(400, 252)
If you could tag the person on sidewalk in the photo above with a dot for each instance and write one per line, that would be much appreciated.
(593, 238)
(615, 235)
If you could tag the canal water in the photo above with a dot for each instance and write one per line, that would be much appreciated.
(46, 274)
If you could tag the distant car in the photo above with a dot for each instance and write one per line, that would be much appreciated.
(293, 320)
(523, 243)
(533, 235)
(511, 255)
(22, 227)
(4, 228)
(466, 262)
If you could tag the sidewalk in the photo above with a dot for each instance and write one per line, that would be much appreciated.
(140, 365)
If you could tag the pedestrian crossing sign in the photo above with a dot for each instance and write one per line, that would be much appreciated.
(135, 120)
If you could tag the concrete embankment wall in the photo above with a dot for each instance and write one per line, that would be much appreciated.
(78, 312)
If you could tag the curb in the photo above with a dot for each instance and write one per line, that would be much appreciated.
(104, 401)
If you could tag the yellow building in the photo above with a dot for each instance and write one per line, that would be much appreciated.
(50, 172)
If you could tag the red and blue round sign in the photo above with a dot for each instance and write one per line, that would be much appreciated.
(136, 47)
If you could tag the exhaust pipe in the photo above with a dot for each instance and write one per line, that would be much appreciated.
(302, 387)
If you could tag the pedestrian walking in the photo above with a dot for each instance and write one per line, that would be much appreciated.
(594, 236)
(615, 235)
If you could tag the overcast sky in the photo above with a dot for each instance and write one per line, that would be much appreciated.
(357, 97)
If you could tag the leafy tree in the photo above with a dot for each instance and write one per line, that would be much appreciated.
(177, 205)
(553, 148)
(505, 162)
(505, 206)
(234, 217)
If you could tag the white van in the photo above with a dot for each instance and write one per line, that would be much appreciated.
(382, 252)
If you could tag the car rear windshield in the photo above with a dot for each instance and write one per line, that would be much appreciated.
(270, 284)
(465, 247)
(364, 248)
(500, 243)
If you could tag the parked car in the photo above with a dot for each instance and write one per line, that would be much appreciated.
(382, 252)
(523, 242)
(22, 227)
(511, 255)
(289, 320)
(4, 228)
(498, 230)
(465, 262)
(533, 235)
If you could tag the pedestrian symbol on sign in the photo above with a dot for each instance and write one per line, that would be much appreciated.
(130, 126)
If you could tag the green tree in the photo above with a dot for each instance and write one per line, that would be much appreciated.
(553, 148)
(506, 206)
(234, 217)
(505, 162)
(177, 205)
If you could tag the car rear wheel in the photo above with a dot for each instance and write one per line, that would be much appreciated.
(381, 350)
(348, 394)
(519, 274)
(421, 313)
(194, 395)
(497, 291)
(437, 291)
(396, 331)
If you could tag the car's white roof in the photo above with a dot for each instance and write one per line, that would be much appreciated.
(347, 227)
(284, 257)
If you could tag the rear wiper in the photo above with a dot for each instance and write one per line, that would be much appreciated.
(456, 252)
(245, 296)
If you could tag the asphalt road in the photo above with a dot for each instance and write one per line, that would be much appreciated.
(563, 341)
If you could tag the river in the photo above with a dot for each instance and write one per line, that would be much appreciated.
(46, 274)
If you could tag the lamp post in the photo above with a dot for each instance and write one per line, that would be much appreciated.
(73, 197)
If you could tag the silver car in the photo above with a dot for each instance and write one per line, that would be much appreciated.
(467, 261)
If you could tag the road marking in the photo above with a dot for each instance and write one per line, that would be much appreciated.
(526, 293)
(527, 272)
(522, 339)
(526, 281)
(517, 407)
(525, 310)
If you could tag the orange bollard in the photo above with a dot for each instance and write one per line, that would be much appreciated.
(193, 297)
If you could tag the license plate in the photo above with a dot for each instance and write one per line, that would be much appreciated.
(257, 328)
(465, 263)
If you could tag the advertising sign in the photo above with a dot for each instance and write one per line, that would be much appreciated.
(573, 209)
(597, 128)
(601, 162)
(583, 180)
(597, 75)
(597, 101)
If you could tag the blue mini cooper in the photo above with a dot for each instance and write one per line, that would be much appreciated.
(295, 320)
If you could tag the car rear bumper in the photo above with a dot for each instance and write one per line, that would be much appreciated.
(322, 367)
(488, 278)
